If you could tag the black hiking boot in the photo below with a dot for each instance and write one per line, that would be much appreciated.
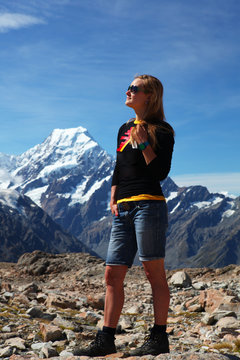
(155, 344)
(101, 346)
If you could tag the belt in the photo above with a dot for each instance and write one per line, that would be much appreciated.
(126, 205)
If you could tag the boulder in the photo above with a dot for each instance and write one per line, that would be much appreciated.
(181, 279)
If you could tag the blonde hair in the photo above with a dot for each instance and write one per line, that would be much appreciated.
(154, 114)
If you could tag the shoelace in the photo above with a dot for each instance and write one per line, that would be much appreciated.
(148, 340)
(97, 341)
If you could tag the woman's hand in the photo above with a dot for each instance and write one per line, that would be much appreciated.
(114, 208)
(140, 134)
(113, 202)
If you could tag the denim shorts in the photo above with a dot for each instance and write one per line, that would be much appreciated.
(140, 225)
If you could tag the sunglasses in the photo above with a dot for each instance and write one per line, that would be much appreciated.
(134, 89)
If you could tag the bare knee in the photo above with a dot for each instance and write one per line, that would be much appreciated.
(114, 275)
(155, 273)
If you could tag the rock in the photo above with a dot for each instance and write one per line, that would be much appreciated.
(212, 299)
(90, 317)
(36, 312)
(194, 305)
(97, 301)
(16, 342)
(20, 299)
(74, 296)
(51, 332)
(211, 319)
(25, 357)
(41, 298)
(5, 286)
(181, 279)
(125, 323)
(70, 335)
(199, 285)
(68, 355)
(38, 346)
(228, 322)
(63, 323)
(60, 301)
(47, 351)
(8, 295)
(29, 288)
(231, 307)
(135, 309)
(6, 328)
(6, 352)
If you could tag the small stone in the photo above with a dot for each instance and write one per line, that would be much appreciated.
(5, 352)
(16, 342)
(51, 332)
(36, 312)
(70, 334)
(181, 279)
(8, 295)
(66, 354)
(6, 329)
(60, 301)
(48, 352)
(90, 317)
(228, 322)
(135, 309)
(41, 298)
(38, 346)
(199, 285)
(29, 288)
(96, 301)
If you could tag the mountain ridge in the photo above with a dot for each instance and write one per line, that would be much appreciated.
(69, 176)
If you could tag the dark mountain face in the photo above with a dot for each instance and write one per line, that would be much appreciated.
(26, 227)
(69, 177)
(203, 227)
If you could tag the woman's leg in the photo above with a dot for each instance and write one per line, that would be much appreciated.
(156, 275)
(114, 299)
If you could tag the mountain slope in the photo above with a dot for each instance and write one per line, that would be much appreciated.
(204, 229)
(26, 227)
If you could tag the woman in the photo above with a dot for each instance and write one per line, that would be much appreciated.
(144, 154)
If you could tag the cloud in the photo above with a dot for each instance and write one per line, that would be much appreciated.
(14, 21)
(215, 182)
(6, 179)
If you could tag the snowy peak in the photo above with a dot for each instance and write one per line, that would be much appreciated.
(71, 138)
(73, 141)
(65, 144)
(69, 163)
(63, 150)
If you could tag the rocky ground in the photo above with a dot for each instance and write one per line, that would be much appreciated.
(51, 303)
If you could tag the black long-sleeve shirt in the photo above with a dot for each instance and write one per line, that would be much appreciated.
(131, 174)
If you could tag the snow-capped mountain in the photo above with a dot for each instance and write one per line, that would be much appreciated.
(69, 176)
(65, 154)
(204, 228)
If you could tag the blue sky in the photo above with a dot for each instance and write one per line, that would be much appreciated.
(65, 63)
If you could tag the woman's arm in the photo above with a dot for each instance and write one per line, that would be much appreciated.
(141, 136)
(159, 162)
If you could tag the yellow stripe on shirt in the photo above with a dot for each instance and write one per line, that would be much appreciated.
(142, 197)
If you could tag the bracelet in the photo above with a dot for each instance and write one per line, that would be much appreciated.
(143, 145)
